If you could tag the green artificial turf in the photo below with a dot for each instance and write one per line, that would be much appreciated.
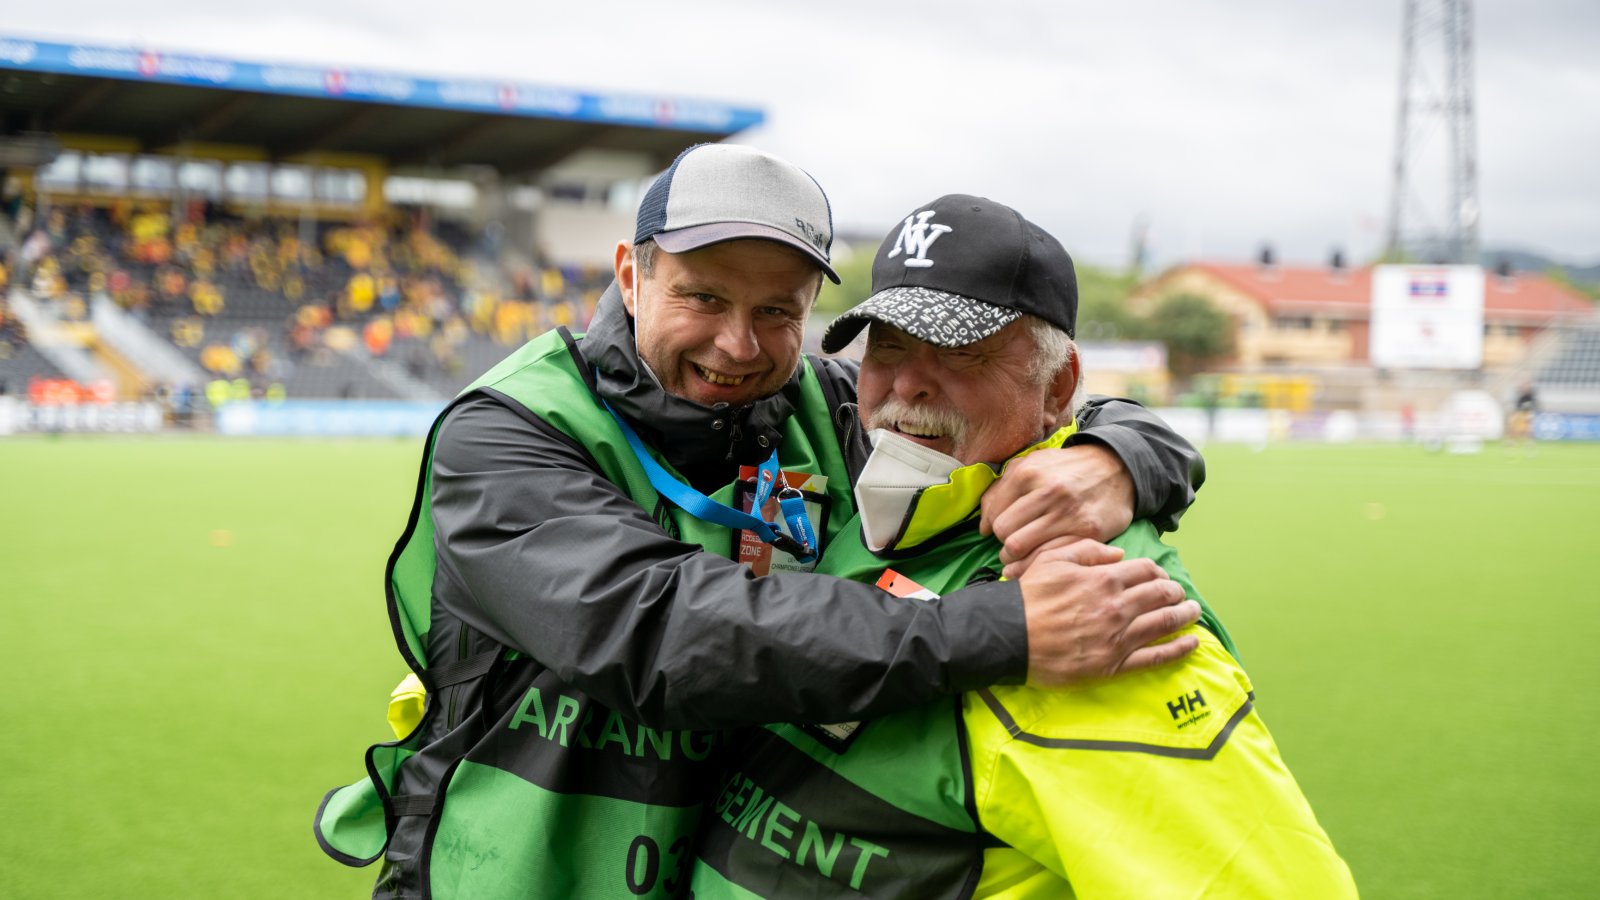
(196, 649)
(1422, 634)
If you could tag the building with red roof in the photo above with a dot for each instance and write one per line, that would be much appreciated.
(1293, 317)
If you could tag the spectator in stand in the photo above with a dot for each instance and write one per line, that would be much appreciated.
(35, 248)
(172, 285)
(360, 292)
(551, 284)
(188, 331)
(378, 335)
(1519, 426)
(149, 229)
(388, 293)
(47, 281)
(118, 286)
(220, 359)
(206, 297)
(186, 271)
(11, 201)
(182, 399)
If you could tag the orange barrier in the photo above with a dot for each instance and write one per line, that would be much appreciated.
(66, 392)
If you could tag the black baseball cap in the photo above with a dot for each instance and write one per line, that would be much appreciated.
(959, 269)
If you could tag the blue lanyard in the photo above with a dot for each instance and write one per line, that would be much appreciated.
(802, 545)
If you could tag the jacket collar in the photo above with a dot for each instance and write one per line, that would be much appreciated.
(941, 507)
(691, 437)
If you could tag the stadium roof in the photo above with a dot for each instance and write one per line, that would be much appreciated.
(162, 99)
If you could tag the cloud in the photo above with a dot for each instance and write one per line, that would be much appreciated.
(1225, 124)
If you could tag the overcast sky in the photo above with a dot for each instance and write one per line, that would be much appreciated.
(1222, 124)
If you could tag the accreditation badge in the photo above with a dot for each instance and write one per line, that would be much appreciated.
(762, 557)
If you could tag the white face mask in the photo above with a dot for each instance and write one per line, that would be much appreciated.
(896, 470)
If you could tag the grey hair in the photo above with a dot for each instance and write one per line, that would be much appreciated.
(1053, 350)
(644, 257)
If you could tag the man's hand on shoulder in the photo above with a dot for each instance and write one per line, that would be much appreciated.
(1092, 614)
(1073, 492)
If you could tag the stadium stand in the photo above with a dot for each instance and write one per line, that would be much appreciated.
(1568, 378)
(20, 362)
(183, 226)
(306, 309)
(180, 227)
(1576, 363)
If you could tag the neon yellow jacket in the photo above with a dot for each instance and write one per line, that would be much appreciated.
(1160, 783)
(1155, 784)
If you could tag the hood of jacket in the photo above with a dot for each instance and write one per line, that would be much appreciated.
(701, 442)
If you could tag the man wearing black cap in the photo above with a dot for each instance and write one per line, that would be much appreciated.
(565, 592)
(1158, 783)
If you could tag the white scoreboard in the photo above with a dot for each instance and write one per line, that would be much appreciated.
(1427, 317)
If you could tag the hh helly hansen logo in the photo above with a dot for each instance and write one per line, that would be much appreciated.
(1188, 709)
(916, 238)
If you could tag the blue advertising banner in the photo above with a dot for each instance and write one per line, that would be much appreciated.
(503, 97)
(326, 418)
(1566, 427)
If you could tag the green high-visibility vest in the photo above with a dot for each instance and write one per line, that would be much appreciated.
(882, 808)
(561, 796)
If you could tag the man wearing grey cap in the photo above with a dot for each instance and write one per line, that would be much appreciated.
(1158, 783)
(565, 589)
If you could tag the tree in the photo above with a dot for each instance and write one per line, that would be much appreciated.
(1193, 330)
(1589, 289)
(855, 280)
(1103, 313)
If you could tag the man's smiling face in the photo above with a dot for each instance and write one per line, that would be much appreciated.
(977, 403)
(723, 324)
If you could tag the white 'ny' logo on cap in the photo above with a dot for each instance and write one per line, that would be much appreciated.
(916, 236)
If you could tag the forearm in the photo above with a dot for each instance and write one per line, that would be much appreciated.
(541, 554)
(1166, 469)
